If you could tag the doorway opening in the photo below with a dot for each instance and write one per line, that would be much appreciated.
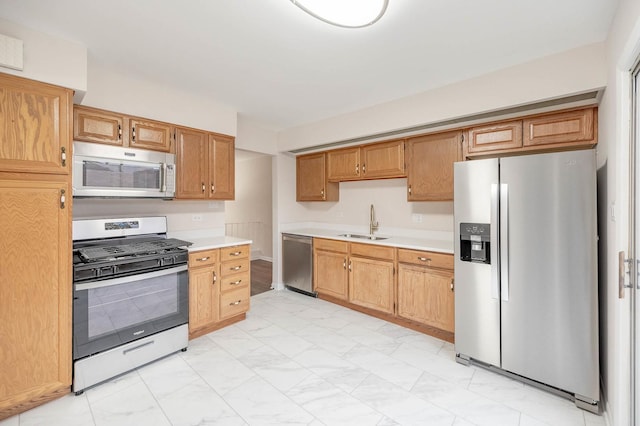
(250, 214)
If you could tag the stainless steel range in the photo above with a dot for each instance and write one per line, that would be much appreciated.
(130, 297)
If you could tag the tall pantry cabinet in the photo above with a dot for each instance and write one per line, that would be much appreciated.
(35, 243)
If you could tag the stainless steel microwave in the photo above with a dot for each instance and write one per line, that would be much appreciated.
(113, 171)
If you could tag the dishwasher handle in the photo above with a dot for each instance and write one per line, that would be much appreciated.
(296, 238)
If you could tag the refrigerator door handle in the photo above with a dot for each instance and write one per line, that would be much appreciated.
(504, 242)
(495, 244)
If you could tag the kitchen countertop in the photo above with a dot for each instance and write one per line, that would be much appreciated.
(428, 244)
(204, 240)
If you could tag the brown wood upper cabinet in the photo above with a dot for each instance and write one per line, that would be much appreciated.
(372, 161)
(311, 179)
(35, 126)
(507, 135)
(571, 129)
(205, 165)
(112, 128)
(430, 161)
(148, 134)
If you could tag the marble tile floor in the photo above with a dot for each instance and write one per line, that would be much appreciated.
(297, 360)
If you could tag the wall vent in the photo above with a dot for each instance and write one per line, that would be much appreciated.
(11, 52)
(578, 100)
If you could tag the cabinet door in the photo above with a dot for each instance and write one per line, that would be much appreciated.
(343, 164)
(494, 137)
(149, 134)
(330, 273)
(191, 164)
(567, 128)
(311, 179)
(371, 284)
(35, 126)
(204, 292)
(221, 181)
(383, 160)
(430, 166)
(35, 293)
(426, 295)
(94, 125)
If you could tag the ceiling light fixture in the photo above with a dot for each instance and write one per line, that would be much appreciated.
(345, 13)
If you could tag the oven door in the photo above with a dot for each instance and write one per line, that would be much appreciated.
(112, 312)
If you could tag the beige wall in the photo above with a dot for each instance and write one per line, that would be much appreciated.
(563, 74)
(623, 48)
(48, 59)
(115, 91)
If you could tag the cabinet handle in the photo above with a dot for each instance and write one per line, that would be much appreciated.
(202, 186)
(215, 277)
(357, 168)
(63, 198)
(202, 259)
(424, 259)
(235, 268)
(322, 192)
(349, 266)
(409, 189)
(236, 282)
(364, 168)
(63, 156)
(213, 188)
(452, 284)
(235, 253)
(119, 132)
(344, 263)
(237, 302)
(133, 134)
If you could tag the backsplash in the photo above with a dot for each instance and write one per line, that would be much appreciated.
(181, 215)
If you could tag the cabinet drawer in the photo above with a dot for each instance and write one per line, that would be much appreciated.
(331, 245)
(235, 281)
(232, 268)
(233, 253)
(426, 258)
(234, 302)
(203, 258)
(370, 250)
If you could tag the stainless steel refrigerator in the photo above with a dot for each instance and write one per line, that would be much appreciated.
(526, 269)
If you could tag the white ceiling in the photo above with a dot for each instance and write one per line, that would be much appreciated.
(273, 63)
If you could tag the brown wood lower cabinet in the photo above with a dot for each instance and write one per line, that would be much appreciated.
(413, 288)
(371, 280)
(425, 288)
(219, 290)
(330, 275)
(35, 292)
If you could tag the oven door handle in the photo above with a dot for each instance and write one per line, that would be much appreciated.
(129, 279)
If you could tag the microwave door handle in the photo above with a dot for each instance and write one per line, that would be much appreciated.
(163, 177)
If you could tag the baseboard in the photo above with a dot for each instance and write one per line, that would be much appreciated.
(604, 405)
(265, 258)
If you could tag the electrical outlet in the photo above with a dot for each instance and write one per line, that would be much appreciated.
(416, 218)
(196, 218)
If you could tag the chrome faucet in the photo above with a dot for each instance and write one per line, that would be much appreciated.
(372, 225)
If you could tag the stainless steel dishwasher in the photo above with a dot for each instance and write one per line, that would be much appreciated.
(297, 263)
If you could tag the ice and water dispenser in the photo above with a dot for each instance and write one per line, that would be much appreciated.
(475, 244)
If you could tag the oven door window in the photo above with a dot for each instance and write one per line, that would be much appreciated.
(98, 174)
(112, 312)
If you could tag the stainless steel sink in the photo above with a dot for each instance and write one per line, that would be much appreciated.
(364, 237)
